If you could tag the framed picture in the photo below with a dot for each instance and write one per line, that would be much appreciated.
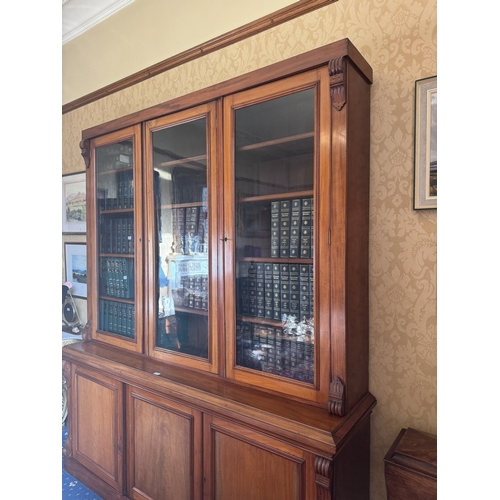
(425, 195)
(74, 209)
(76, 268)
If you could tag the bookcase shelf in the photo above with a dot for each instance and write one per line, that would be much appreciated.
(124, 255)
(276, 142)
(278, 260)
(260, 321)
(277, 196)
(117, 299)
(190, 162)
(115, 171)
(183, 205)
(190, 310)
(117, 211)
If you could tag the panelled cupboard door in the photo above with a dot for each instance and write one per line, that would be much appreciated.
(114, 256)
(182, 224)
(242, 464)
(97, 437)
(164, 448)
(277, 180)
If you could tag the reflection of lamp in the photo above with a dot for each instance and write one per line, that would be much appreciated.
(69, 311)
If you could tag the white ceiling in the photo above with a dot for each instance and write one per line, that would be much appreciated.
(80, 15)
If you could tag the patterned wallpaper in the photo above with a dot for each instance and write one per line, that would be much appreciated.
(399, 40)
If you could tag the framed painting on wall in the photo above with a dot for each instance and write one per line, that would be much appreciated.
(425, 194)
(76, 268)
(74, 211)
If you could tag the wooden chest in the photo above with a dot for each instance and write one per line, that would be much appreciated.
(411, 466)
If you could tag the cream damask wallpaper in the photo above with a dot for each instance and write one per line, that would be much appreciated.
(399, 40)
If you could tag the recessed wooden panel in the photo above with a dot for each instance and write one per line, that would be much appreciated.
(164, 440)
(98, 415)
(243, 464)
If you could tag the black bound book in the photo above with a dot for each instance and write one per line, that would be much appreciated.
(305, 291)
(275, 228)
(178, 228)
(294, 272)
(276, 291)
(252, 289)
(284, 289)
(119, 235)
(295, 223)
(130, 236)
(127, 190)
(285, 228)
(306, 229)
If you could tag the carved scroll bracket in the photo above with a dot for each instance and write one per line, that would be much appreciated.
(86, 332)
(336, 404)
(323, 469)
(67, 450)
(336, 70)
(66, 369)
(85, 147)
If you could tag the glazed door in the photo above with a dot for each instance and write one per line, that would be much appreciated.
(115, 254)
(182, 223)
(277, 177)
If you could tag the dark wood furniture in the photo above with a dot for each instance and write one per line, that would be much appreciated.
(226, 352)
(411, 466)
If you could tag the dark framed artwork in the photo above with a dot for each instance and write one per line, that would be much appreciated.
(425, 192)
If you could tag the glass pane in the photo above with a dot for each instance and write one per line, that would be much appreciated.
(115, 238)
(180, 170)
(274, 172)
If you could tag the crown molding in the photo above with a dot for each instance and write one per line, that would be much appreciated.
(87, 13)
(270, 21)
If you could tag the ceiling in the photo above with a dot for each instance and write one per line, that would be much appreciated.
(80, 15)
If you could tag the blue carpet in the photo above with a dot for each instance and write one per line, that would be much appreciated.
(71, 487)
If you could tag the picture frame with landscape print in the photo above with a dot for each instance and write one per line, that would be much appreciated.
(425, 195)
(74, 211)
(76, 268)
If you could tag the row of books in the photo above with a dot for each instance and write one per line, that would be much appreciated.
(292, 228)
(271, 290)
(117, 277)
(124, 193)
(190, 229)
(193, 292)
(117, 235)
(271, 350)
(117, 317)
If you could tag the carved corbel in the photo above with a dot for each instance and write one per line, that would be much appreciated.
(85, 147)
(66, 369)
(336, 404)
(323, 470)
(336, 70)
(86, 332)
(67, 450)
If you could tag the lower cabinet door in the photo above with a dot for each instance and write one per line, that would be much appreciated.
(164, 440)
(97, 423)
(243, 464)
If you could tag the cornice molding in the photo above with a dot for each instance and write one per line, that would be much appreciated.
(101, 15)
(270, 21)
